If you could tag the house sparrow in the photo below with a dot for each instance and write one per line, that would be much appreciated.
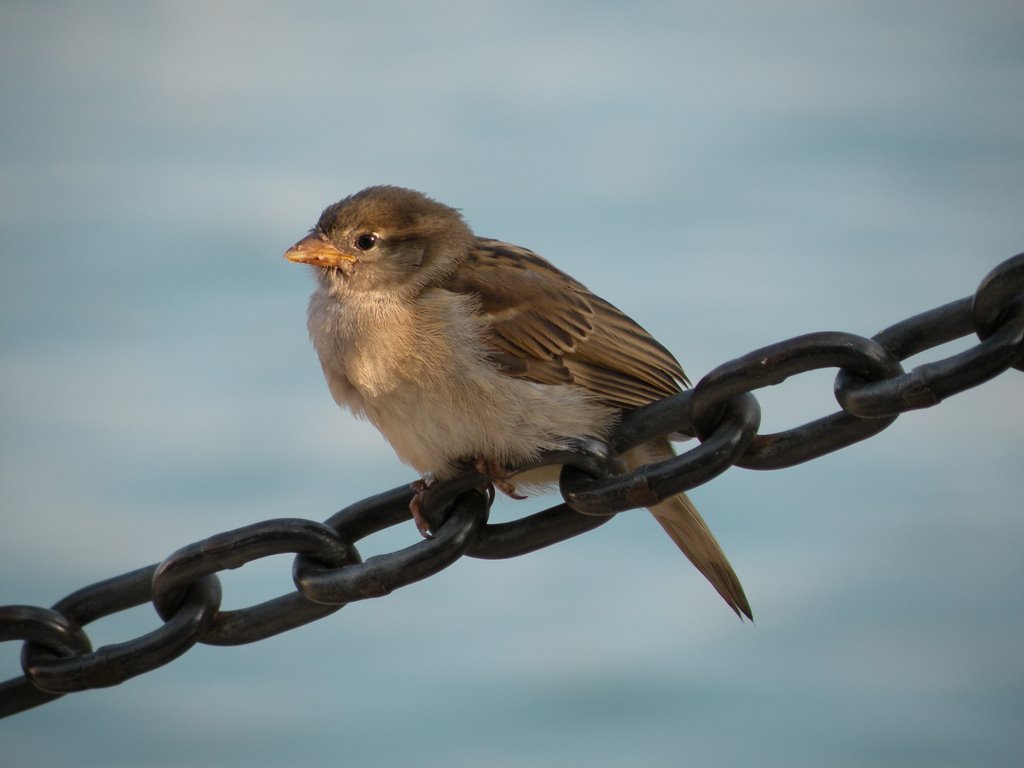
(458, 347)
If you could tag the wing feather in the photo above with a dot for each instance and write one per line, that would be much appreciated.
(546, 327)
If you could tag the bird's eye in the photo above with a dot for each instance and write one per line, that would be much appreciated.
(366, 241)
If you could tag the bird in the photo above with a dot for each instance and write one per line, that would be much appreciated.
(465, 350)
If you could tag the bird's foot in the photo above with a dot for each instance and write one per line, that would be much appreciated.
(499, 476)
(416, 506)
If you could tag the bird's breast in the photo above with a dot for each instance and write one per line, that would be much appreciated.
(420, 373)
(383, 347)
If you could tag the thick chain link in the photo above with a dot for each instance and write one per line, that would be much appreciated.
(871, 387)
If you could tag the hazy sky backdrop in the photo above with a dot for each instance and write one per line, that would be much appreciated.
(729, 173)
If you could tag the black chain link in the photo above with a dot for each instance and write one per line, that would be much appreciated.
(871, 387)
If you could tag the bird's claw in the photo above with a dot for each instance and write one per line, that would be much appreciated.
(499, 476)
(496, 474)
(416, 507)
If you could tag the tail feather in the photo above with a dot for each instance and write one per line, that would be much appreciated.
(687, 528)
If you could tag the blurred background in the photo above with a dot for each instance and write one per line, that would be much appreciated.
(731, 174)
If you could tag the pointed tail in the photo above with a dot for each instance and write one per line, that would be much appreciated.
(687, 528)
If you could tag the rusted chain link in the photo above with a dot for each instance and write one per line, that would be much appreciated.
(871, 387)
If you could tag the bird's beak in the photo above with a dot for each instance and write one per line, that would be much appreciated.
(317, 252)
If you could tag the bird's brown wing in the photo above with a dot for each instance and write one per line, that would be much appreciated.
(544, 326)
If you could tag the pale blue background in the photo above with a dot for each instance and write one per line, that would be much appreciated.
(730, 173)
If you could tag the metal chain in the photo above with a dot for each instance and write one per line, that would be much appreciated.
(871, 387)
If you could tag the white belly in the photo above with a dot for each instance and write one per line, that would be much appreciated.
(505, 420)
(425, 383)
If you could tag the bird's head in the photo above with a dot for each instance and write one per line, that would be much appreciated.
(384, 238)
